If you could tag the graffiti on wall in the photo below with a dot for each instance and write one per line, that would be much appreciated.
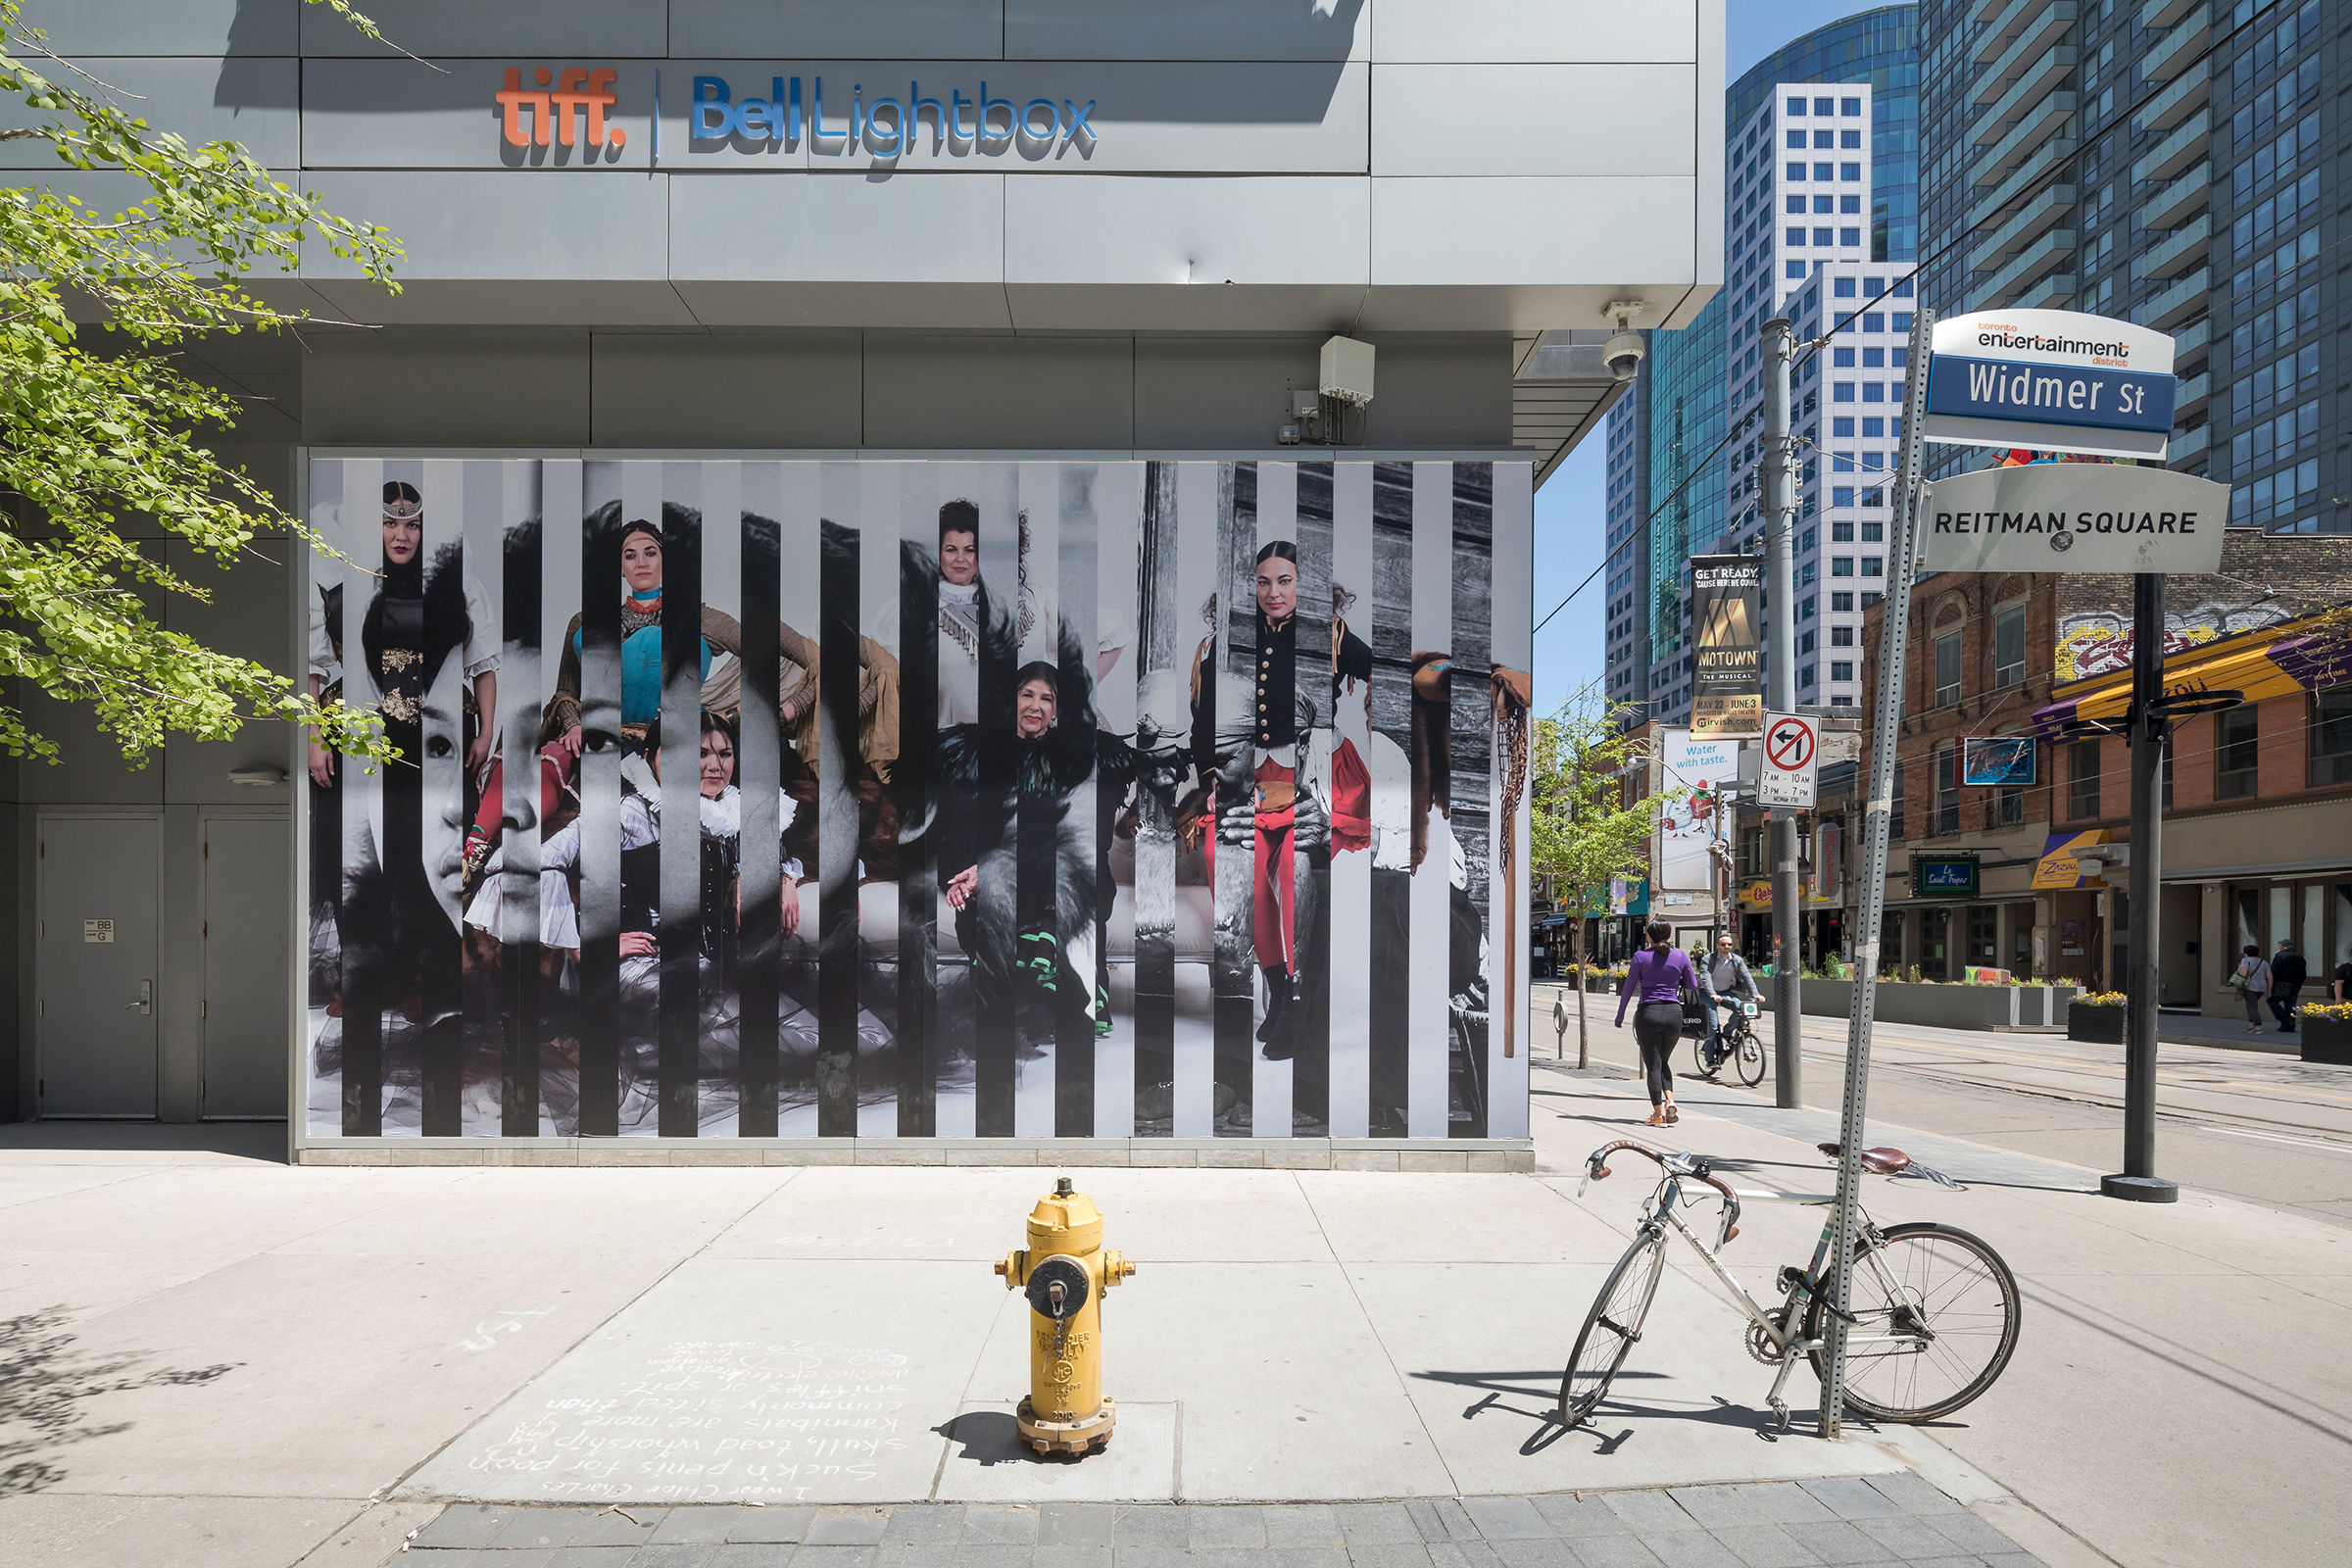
(2098, 642)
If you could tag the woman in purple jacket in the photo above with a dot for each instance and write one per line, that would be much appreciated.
(1654, 984)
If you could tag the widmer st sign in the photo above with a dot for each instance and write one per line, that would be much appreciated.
(2051, 378)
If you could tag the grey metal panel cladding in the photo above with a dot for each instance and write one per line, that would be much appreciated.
(245, 617)
(1192, 30)
(1524, 116)
(1538, 30)
(468, 388)
(675, 390)
(1273, 229)
(241, 99)
(917, 30)
(523, 28)
(1202, 394)
(1007, 393)
(496, 226)
(101, 27)
(838, 229)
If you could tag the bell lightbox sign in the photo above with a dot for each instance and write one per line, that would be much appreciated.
(2051, 379)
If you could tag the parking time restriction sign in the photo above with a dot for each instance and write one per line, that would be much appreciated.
(1791, 762)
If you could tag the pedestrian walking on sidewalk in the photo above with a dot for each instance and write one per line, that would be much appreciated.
(2253, 981)
(2287, 974)
(1654, 984)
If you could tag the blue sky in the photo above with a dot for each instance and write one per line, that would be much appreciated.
(1571, 529)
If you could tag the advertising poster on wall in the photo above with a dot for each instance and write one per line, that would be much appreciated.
(1699, 766)
(907, 799)
(1727, 619)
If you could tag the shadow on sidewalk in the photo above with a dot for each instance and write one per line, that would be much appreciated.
(46, 1386)
(127, 1141)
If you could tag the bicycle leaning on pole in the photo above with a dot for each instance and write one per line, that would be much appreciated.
(1934, 1311)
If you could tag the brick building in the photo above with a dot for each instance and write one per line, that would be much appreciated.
(2259, 795)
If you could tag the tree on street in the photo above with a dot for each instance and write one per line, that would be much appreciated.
(99, 426)
(1590, 820)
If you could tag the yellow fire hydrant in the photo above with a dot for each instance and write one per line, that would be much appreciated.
(1064, 1272)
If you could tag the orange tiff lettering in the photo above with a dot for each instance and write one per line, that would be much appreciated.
(555, 114)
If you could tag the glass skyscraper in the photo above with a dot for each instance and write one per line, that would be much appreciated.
(1683, 477)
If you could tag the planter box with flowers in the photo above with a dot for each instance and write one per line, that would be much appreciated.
(2325, 1028)
(2097, 1017)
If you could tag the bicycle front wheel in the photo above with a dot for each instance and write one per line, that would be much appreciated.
(1611, 1327)
(1748, 1059)
(1938, 1313)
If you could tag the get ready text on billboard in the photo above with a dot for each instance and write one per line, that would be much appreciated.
(2051, 378)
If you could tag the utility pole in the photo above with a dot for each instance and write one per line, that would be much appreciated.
(2139, 1182)
(1780, 685)
(1895, 633)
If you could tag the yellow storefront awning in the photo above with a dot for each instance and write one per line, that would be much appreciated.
(2276, 661)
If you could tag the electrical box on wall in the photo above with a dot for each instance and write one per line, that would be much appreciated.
(1346, 371)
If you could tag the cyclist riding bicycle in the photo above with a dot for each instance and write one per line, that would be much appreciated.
(1724, 982)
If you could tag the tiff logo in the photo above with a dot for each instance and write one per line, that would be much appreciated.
(555, 114)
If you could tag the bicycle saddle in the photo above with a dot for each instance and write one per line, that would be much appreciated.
(1877, 1161)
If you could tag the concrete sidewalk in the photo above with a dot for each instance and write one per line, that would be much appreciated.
(217, 1359)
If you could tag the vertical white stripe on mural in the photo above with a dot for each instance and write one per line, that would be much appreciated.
(1429, 1070)
(796, 601)
(1513, 646)
(721, 1096)
(1352, 872)
(562, 482)
(877, 902)
(956, 1111)
(1196, 1037)
(1278, 519)
(1119, 524)
(362, 784)
(1039, 506)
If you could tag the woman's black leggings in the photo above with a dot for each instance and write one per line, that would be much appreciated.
(1658, 1025)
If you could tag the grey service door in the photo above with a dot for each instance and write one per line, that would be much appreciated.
(97, 970)
(248, 925)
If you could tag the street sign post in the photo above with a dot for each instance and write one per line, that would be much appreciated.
(1791, 762)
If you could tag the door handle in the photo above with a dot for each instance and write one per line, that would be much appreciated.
(145, 1006)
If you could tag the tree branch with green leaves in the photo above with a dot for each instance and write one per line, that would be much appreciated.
(99, 427)
(1590, 817)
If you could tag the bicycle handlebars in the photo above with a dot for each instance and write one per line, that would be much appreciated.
(1596, 1168)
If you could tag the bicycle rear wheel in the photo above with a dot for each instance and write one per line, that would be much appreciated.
(1611, 1327)
(1748, 1058)
(1938, 1313)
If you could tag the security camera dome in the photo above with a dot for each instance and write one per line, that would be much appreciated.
(1622, 354)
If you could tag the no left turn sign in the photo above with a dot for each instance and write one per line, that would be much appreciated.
(1791, 751)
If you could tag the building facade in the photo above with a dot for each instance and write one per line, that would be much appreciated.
(2257, 796)
(1700, 385)
(783, 326)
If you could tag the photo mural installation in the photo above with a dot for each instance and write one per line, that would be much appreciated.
(911, 799)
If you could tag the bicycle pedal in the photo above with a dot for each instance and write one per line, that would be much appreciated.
(1780, 1407)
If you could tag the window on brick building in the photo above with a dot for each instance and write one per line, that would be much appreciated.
(2083, 780)
(1894, 824)
(1947, 789)
(2008, 648)
(2331, 737)
(1948, 668)
(2237, 761)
